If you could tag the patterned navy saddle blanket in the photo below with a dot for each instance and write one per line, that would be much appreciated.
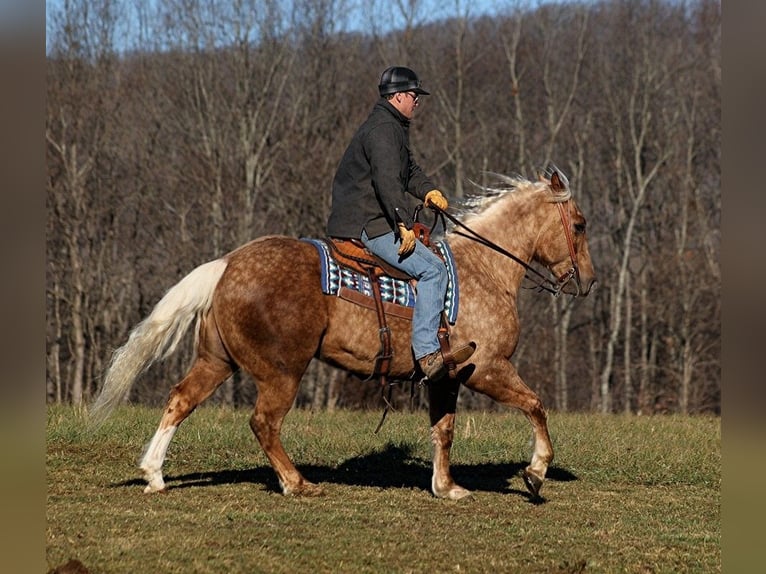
(398, 295)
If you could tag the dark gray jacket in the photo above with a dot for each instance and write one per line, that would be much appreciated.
(374, 177)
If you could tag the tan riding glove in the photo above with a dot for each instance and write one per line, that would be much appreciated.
(408, 240)
(435, 198)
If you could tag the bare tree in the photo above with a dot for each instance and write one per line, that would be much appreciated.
(631, 95)
(452, 94)
(80, 104)
(215, 122)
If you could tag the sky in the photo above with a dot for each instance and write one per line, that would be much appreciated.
(357, 15)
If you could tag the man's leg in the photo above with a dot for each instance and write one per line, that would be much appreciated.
(429, 270)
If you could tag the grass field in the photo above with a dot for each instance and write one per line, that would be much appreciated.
(624, 494)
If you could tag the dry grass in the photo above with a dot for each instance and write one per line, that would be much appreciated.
(626, 494)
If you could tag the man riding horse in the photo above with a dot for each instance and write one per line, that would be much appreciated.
(370, 203)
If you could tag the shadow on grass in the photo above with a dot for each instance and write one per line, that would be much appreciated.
(393, 466)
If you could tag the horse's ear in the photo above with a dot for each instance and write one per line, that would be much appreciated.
(556, 184)
(559, 182)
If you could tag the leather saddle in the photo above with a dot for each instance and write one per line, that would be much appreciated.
(352, 253)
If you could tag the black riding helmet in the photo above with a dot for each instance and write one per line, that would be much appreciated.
(400, 79)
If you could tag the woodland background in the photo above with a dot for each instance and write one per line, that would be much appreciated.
(176, 130)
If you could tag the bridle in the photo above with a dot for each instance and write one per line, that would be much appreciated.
(574, 271)
(541, 282)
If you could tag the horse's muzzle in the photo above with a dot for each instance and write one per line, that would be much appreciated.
(578, 286)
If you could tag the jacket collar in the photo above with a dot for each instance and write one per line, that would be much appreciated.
(388, 106)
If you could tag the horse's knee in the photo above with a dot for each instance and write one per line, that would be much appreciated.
(443, 432)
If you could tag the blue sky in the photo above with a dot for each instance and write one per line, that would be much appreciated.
(357, 15)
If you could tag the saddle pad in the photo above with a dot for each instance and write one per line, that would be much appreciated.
(396, 291)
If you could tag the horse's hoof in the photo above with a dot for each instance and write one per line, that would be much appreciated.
(451, 492)
(458, 493)
(311, 489)
(152, 489)
(533, 482)
(304, 489)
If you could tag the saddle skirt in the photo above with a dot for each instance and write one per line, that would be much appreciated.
(341, 279)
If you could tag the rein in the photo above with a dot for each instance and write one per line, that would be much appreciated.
(542, 283)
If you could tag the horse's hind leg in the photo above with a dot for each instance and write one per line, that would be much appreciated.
(442, 406)
(276, 394)
(209, 370)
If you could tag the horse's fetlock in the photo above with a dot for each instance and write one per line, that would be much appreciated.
(443, 432)
(155, 482)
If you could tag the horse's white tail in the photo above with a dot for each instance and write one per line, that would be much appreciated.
(157, 336)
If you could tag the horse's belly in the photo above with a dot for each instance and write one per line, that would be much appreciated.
(353, 339)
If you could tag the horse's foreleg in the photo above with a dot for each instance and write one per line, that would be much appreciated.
(203, 378)
(442, 403)
(504, 385)
(542, 448)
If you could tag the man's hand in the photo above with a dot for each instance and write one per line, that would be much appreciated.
(436, 199)
(408, 240)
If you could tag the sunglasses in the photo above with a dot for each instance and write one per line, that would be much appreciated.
(415, 97)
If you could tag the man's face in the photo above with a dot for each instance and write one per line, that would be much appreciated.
(406, 102)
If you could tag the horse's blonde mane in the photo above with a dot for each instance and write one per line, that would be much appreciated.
(502, 185)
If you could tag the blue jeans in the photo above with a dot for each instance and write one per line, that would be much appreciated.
(431, 273)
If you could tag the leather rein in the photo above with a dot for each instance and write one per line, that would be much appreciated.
(542, 283)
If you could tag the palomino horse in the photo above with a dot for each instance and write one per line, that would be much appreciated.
(260, 308)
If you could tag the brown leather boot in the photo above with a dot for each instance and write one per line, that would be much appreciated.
(433, 365)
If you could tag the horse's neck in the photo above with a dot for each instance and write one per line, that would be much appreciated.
(513, 224)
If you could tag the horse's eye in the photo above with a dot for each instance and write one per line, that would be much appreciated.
(579, 228)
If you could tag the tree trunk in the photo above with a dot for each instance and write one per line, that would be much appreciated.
(562, 321)
(646, 347)
(627, 350)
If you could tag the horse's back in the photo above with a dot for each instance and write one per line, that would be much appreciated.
(268, 253)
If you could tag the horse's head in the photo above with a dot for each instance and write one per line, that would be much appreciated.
(563, 244)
